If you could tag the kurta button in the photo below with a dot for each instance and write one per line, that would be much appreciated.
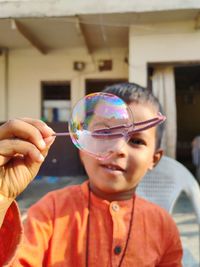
(115, 207)
(117, 250)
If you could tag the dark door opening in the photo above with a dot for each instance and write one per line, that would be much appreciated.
(62, 159)
(187, 79)
(98, 85)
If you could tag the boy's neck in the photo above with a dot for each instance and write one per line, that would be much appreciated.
(119, 196)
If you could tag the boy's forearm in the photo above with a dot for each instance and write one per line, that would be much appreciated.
(4, 206)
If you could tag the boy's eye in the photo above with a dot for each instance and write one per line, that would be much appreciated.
(136, 141)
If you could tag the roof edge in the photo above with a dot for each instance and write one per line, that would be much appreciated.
(60, 8)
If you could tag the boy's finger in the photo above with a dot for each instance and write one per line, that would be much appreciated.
(34, 166)
(40, 125)
(13, 147)
(22, 129)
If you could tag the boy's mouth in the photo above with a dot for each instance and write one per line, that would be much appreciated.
(112, 167)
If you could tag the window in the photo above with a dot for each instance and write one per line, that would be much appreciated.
(56, 104)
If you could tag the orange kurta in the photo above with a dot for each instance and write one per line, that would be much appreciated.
(56, 232)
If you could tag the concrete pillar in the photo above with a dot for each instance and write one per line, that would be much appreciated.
(137, 64)
(3, 86)
(77, 89)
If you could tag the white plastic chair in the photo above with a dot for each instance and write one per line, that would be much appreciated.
(165, 183)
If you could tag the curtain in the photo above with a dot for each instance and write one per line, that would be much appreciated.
(163, 84)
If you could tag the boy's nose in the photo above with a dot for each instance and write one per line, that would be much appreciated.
(120, 151)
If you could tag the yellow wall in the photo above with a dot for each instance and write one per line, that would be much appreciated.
(161, 43)
(27, 68)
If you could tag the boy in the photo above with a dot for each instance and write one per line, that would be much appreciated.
(99, 223)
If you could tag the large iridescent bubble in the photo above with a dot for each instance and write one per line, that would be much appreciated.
(99, 124)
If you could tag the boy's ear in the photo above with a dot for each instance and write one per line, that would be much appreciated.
(156, 157)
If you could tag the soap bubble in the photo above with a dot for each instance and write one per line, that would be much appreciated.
(99, 124)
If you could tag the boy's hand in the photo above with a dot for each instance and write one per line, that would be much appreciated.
(24, 143)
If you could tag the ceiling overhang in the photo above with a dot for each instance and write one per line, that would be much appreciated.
(93, 32)
(63, 8)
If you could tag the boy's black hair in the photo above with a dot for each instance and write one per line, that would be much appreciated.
(131, 92)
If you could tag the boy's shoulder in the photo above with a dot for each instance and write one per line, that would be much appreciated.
(69, 191)
(66, 191)
(71, 194)
(147, 204)
(147, 209)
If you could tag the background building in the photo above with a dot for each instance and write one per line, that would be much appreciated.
(55, 52)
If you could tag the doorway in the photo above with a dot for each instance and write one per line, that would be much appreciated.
(97, 85)
(187, 81)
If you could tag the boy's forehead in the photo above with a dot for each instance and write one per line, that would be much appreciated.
(143, 111)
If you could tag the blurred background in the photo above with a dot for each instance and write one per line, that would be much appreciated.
(54, 52)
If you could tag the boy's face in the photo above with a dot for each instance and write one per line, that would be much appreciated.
(116, 177)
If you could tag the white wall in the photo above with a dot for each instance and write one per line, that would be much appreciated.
(161, 43)
(27, 68)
